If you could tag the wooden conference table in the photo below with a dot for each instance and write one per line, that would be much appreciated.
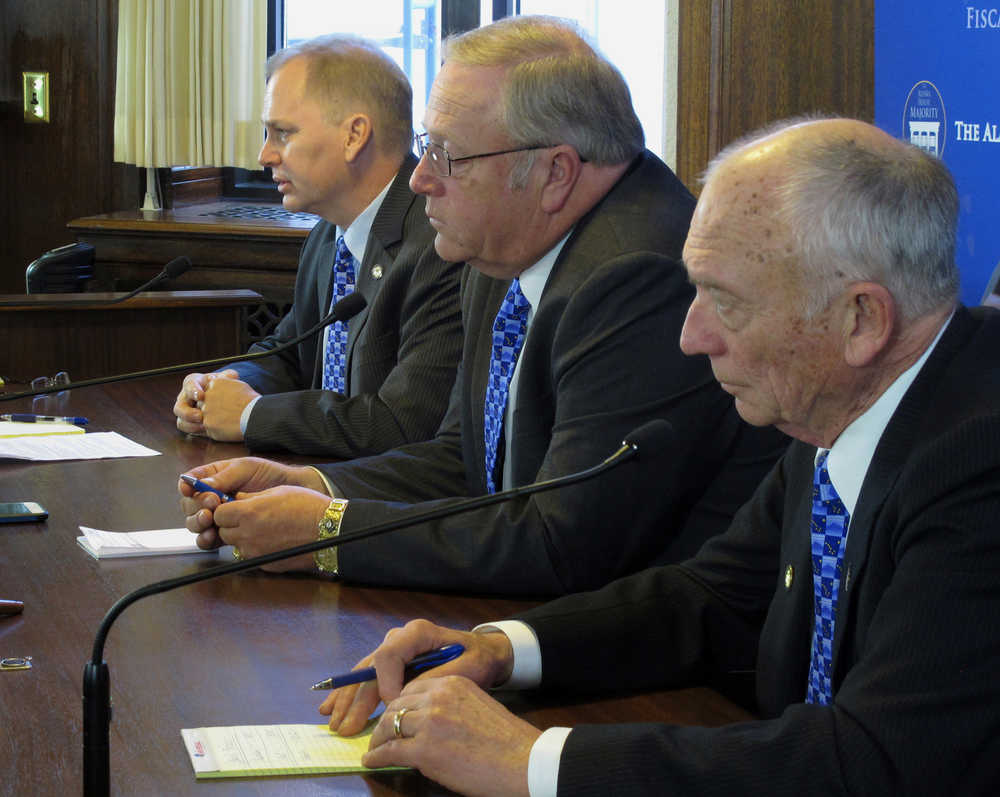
(234, 651)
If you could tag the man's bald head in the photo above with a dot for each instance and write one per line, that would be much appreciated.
(859, 204)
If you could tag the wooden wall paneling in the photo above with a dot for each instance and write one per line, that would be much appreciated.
(45, 333)
(190, 185)
(61, 170)
(697, 107)
(789, 58)
(853, 57)
(9, 89)
(744, 64)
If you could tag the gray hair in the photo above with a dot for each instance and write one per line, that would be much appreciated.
(862, 213)
(558, 90)
(349, 74)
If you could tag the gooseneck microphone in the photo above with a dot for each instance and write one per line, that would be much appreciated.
(344, 310)
(172, 270)
(654, 435)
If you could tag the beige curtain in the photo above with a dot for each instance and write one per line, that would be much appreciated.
(190, 82)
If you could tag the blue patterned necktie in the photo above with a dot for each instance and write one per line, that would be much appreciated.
(829, 533)
(508, 337)
(335, 353)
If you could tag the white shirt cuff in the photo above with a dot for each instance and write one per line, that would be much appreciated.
(245, 416)
(543, 763)
(527, 671)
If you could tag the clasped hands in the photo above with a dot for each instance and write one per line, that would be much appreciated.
(278, 506)
(210, 405)
(450, 728)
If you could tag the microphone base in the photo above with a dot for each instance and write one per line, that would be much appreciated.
(96, 730)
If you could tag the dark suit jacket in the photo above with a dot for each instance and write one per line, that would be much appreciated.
(917, 650)
(403, 348)
(601, 358)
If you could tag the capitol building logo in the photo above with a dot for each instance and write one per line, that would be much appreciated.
(924, 123)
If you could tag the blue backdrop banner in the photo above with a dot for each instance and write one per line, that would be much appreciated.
(936, 84)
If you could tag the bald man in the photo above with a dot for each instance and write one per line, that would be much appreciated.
(862, 580)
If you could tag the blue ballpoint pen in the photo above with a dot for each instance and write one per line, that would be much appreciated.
(424, 661)
(201, 487)
(28, 418)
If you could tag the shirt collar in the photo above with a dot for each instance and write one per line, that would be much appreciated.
(356, 235)
(534, 277)
(852, 452)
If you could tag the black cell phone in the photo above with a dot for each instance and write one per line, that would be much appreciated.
(22, 512)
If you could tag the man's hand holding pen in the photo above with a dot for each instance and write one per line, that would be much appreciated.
(487, 659)
(274, 507)
(442, 722)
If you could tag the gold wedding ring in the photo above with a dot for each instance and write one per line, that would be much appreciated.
(397, 723)
(237, 555)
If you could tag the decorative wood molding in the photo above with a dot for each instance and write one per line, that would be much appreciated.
(745, 64)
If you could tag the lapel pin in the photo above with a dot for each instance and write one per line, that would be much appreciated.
(376, 272)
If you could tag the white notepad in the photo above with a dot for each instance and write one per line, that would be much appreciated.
(254, 750)
(111, 544)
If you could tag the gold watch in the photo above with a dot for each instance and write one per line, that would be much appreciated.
(329, 526)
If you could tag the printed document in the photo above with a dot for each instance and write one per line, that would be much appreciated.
(49, 448)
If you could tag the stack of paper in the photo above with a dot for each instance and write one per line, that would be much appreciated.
(111, 544)
(49, 448)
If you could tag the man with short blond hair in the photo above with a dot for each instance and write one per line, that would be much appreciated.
(337, 114)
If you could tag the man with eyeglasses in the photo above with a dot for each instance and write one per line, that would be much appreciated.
(338, 120)
(534, 173)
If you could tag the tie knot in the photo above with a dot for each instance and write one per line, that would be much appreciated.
(821, 476)
(343, 258)
(518, 302)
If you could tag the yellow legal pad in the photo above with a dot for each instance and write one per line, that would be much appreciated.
(242, 751)
(20, 429)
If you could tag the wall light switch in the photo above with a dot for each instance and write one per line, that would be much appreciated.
(36, 96)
